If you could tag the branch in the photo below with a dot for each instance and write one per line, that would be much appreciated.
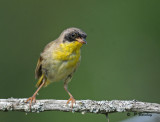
(83, 106)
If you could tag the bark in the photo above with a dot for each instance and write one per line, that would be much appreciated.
(82, 106)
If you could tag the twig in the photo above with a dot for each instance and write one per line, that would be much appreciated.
(83, 106)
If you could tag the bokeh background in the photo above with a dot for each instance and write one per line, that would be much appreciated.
(120, 61)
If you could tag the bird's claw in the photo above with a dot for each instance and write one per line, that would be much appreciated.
(31, 99)
(72, 101)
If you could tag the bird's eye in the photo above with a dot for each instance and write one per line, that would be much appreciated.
(73, 35)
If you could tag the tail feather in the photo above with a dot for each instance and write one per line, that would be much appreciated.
(41, 79)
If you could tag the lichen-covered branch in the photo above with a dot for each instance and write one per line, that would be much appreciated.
(83, 106)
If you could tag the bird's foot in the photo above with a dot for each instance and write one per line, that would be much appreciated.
(72, 101)
(31, 99)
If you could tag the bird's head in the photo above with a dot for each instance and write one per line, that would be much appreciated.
(73, 35)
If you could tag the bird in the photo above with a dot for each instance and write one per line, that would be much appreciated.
(59, 61)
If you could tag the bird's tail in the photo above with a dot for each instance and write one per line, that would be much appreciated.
(42, 79)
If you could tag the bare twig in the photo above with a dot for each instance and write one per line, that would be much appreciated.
(83, 106)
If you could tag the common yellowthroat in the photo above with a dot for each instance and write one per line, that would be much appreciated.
(59, 61)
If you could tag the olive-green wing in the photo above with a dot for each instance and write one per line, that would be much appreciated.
(38, 70)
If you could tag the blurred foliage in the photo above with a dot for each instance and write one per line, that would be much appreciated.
(120, 61)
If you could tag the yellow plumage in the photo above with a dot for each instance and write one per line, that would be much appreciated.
(68, 52)
(41, 80)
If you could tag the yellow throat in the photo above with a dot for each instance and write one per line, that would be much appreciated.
(68, 51)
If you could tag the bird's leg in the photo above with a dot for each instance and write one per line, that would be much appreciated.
(71, 97)
(33, 98)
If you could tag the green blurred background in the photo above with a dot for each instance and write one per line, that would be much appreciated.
(120, 61)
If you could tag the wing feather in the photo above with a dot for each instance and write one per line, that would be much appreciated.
(38, 70)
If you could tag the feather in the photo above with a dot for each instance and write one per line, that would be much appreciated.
(38, 70)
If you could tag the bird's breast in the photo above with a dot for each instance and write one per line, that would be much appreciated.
(67, 51)
(67, 57)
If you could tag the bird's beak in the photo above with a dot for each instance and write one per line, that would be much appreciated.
(81, 40)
